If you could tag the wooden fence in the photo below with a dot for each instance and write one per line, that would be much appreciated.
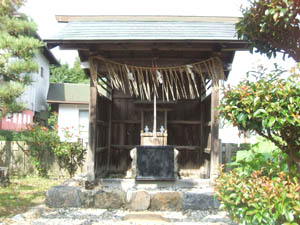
(15, 156)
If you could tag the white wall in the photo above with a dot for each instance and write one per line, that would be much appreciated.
(35, 95)
(68, 117)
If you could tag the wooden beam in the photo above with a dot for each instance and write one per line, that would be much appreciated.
(186, 122)
(102, 123)
(92, 134)
(214, 145)
(101, 149)
(126, 121)
(147, 45)
(178, 147)
(123, 147)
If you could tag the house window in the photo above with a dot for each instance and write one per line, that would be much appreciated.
(84, 124)
(42, 71)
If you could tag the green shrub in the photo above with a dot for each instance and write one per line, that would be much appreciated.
(261, 155)
(70, 156)
(259, 199)
(41, 141)
(267, 104)
(259, 190)
(7, 135)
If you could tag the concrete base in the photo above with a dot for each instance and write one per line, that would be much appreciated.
(194, 194)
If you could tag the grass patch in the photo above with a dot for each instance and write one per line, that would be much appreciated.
(23, 193)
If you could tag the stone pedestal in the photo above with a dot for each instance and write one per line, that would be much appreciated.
(148, 139)
(4, 176)
(153, 162)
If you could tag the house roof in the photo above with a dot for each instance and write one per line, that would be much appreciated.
(91, 28)
(47, 53)
(68, 93)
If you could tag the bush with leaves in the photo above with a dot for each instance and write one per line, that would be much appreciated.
(259, 190)
(70, 155)
(271, 26)
(41, 141)
(270, 107)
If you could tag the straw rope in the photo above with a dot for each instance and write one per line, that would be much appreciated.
(176, 82)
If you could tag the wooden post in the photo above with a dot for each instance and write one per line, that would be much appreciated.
(109, 135)
(220, 152)
(142, 121)
(201, 150)
(166, 120)
(154, 116)
(92, 133)
(214, 145)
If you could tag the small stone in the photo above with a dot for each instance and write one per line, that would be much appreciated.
(109, 199)
(86, 198)
(166, 201)
(199, 201)
(63, 196)
(139, 200)
(89, 185)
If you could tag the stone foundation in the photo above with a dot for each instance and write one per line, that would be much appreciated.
(127, 194)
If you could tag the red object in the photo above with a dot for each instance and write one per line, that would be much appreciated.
(17, 121)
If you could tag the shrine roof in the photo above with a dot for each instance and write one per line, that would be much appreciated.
(124, 28)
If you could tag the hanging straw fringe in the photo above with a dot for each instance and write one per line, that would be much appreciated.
(177, 82)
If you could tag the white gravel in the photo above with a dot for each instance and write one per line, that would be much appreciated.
(79, 216)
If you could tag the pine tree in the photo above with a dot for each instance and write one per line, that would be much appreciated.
(18, 47)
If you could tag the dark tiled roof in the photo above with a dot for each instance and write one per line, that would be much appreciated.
(159, 28)
(68, 93)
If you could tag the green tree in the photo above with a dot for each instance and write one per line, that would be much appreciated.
(272, 26)
(18, 46)
(65, 74)
(269, 106)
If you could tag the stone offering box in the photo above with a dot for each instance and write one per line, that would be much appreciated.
(154, 163)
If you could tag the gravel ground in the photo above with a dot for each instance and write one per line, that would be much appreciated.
(75, 216)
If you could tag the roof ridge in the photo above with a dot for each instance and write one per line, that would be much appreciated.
(140, 18)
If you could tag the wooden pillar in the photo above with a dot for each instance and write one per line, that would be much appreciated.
(109, 135)
(214, 145)
(142, 121)
(91, 153)
(201, 151)
(166, 120)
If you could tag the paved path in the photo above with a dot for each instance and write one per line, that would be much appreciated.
(42, 215)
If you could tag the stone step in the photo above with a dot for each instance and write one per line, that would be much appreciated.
(127, 184)
(115, 198)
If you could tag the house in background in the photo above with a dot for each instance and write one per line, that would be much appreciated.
(71, 102)
(34, 96)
